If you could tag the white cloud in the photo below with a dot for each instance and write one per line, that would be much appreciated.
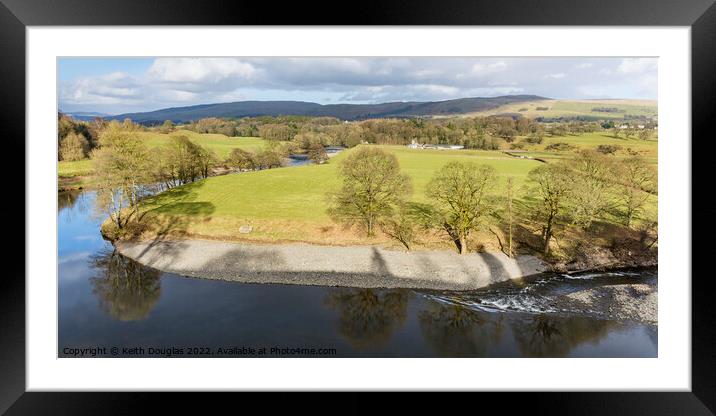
(199, 70)
(424, 92)
(557, 75)
(112, 88)
(185, 81)
(481, 69)
(637, 65)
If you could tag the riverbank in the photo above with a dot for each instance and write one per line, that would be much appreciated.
(622, 302)
(353, 266)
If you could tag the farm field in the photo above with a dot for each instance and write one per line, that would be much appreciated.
(626, 147)
(575, 108)
(289, 204)
(647, 148)
(220, 144)
(68, 169)
(299, 192)
(76, 173)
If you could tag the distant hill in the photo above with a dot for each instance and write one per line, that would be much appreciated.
(341, 111)
(86, 115)
(569, 109)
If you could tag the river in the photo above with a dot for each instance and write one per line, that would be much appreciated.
(113, 306)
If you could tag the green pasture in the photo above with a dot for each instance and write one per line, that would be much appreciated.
(76, 168)
(299, 193)
(578, 108)
(218, 143)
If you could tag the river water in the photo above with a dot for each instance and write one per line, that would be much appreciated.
(110, 305)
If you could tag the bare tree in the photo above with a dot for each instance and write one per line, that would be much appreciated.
(372, 187)
(317, 153)
(400, 226)
(73, 147)
(549, 190)
(121, 165)
(510, 219)
(461, 193)
(241, 159)
(591, 175)
(637, 179)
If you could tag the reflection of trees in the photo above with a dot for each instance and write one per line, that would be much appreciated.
(546, 336)
(455, 331)
(71, 199)
(67, 199)
(127, 291)
(367, 316)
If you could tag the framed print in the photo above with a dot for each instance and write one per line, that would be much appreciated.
(477, 201)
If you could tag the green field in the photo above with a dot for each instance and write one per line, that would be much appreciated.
(75, 174)
(646, 148)
(577, 108)
(289, 204)
(218, 143)
(72, 169)
(299, 192)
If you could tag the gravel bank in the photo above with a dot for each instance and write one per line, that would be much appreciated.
(360, 266)
(633, 302)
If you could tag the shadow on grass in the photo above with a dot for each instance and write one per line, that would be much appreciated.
(171, 213)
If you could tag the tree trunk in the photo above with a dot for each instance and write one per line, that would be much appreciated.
(463, 244)
(547, 234)
(509, 213)
(546, 243)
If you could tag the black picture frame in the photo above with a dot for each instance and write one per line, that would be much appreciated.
(700, 15)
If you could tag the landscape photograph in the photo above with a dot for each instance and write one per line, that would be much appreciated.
(388, 207)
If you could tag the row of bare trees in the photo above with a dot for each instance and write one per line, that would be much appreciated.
(125, 167)
(472, 132)
(463, 199)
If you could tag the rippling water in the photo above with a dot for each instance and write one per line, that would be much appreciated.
(109, 304)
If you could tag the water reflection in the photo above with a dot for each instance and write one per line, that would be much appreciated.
(107, 299)
(550, 336)
(368, 317)
(127, 291)
(67, 199)
(72, 204)
(455, 331)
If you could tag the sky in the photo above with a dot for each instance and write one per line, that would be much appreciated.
(120, 85)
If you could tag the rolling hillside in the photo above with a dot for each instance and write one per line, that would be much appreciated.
(342, 111)
(582, 109)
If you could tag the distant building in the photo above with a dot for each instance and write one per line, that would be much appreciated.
(415, 145)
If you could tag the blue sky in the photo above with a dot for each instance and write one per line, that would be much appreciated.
(118, 85)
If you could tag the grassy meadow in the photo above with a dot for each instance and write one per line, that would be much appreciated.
(576, 108)
(220, 144)
(647, 148)
(77, 173)
(289, 204)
